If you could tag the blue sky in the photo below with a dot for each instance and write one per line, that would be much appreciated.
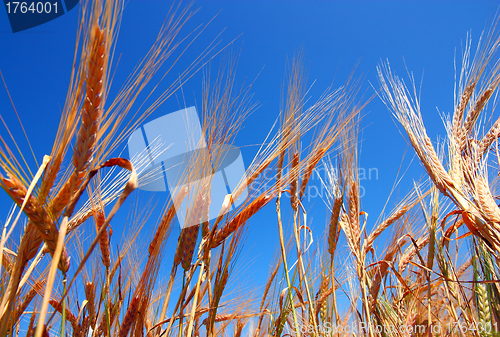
(424, 37)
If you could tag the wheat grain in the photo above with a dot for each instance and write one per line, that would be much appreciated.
(323, 288)
(322, 301)
(483, 306)
(31, 241)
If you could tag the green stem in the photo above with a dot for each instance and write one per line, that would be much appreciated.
(63, 320)
(285, 265)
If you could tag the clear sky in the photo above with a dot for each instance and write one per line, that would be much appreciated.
(425, 37)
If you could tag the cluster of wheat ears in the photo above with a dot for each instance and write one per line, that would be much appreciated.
(59, 275)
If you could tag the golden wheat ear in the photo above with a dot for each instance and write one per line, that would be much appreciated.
(91, 116)
(92, 111)
(36, 214)
(396, 96)
(104, 240)
(467, 183)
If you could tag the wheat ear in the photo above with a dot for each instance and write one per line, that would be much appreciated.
(91, 112)
(69, 315)
(489, 138)
(240, 219)
(90, 296)
(333, 230)
(354, 213)
(129, 318)
(311, 164)
(395, 96)
(154, 245)
(103, 324)
(189, 235)
(266, 291)
(186, 246)
(104, 239)
(383, 226)
(474, 113)
(30, 242)
(37, 215)
(483, 304)
(458, 133)
(21, 308)
(294, 201)
(90, 120)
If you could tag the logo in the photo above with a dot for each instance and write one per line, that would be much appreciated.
(28, 14)
(202, 176)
